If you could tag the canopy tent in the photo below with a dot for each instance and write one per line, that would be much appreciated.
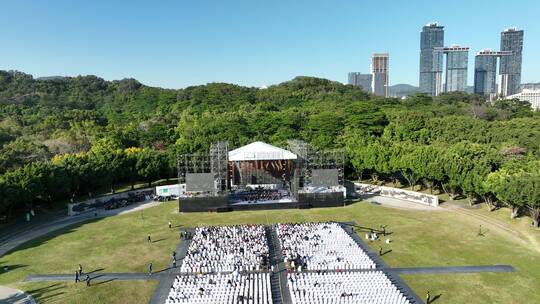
(260, 151)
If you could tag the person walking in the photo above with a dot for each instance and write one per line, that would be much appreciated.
(80, 270)
(174, 262)
(150, 269)
(428, 297)
(170, 225)
(149, 238)
(77, 280)
(87, 279)
(480, 232)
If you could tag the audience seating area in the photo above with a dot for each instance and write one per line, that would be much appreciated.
(221, 288)
(229, 264)
(227, 248)
(365, 287)
(321, 246)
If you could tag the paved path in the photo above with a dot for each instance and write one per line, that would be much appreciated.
(25, 236)
(278, 278)
(398, 203)
(453, 269)
(14, 296)
(167, 279)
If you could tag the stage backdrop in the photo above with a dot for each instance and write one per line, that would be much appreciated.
(324, 177)
(199, 182)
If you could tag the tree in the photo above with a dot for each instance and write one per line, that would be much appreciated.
(467, 166)
(429, 164)
(150, 165)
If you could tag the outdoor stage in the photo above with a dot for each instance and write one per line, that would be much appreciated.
(260, 176)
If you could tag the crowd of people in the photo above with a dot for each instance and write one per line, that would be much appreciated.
(259, 194)
(320, 246)
(227, 249)
(372, 287)
(235, 288)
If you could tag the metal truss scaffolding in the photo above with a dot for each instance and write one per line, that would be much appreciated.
(219, 157)
(214, 162)
(310, 159)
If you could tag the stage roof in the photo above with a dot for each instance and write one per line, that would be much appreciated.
(260, 151)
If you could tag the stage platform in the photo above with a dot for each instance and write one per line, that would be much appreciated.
(222, 203)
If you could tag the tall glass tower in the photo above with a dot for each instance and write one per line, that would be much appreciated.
(431, 58)
(510, 66)
(485, 71)
(457, 60)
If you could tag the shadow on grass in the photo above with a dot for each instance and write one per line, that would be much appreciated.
(386, 252)
(435, 298)
(94, 271)
(39, 293)
(103, 282)
(40, 240)
(159, 240)
(5, 268)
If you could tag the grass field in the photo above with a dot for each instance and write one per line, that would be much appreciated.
(420, 238)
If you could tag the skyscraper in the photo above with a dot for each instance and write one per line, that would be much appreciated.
(510, 66)
(485, 71)
(457, 59)
(379, 69)
(431, 58)
(360, 80)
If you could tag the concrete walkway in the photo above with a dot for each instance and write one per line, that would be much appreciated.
(25, 236)
(398, 203)
(15, 296)
(453, 269)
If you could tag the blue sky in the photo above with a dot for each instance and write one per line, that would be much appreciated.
(180, 43)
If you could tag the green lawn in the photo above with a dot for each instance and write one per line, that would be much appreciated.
(420, 238)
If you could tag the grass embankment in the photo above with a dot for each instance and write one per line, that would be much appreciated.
(420, 238)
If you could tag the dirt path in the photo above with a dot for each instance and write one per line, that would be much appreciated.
(526, 239)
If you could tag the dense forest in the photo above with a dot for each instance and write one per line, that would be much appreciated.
(65, 137)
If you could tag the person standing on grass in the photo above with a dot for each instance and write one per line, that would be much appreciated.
(380, 251)
(170, 225)
(149, 238)
(77, 276)
(428, 298)
(80, 269)
(150, 269)
(87, 279)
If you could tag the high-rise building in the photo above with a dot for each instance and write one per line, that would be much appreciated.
(485, 71)
(532, 96)
(360, 80)
(431, 58)
(510, 66)
(379, 69)
(457, 60)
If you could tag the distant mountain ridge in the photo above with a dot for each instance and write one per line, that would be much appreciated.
(402, 89)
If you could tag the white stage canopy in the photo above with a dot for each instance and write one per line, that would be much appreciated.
(260, 151)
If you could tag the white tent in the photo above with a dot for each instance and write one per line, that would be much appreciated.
(260, 151)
